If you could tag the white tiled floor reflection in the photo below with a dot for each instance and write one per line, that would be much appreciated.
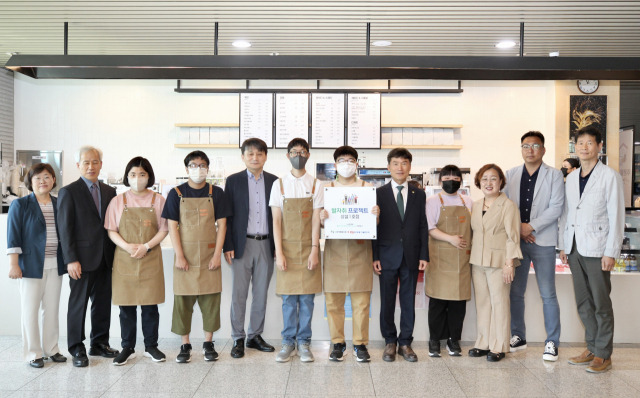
(523, 374)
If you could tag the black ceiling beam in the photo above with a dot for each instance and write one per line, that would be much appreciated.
(322, 67)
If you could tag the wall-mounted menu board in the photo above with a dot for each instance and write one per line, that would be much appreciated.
(256, 117)
(327, 120)
(292, 118)
(363, 120)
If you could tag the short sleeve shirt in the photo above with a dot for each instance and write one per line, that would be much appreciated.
(434, 206)
(297, 188)
(116, 207)
(221, 207)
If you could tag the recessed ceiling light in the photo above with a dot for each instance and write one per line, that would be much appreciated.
(11, 53)
(241, 44)
(554, 54)
(506, 44)
(273, 54)
(382, 43)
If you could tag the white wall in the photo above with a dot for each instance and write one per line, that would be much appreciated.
(127, 118)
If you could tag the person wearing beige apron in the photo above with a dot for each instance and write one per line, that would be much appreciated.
(347, 270)
(134, 224)
(448, 277)
(193, 209)
(296, 201)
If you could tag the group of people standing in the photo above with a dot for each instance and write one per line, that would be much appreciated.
(109, 245)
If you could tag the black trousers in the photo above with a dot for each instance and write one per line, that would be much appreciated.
(94, 285)
(389, 279)
(446, 318)
(129, 326)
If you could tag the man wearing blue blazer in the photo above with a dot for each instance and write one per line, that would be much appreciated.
(88, 253)
(538, 191)
(399, 253)
(249, 247)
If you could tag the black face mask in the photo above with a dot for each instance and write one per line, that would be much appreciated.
(450, 186)
(565, 172)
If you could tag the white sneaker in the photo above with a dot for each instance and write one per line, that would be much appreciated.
(550, 352)
(286, 352)
(305, 353)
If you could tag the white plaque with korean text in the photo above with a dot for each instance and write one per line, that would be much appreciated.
(350, 214)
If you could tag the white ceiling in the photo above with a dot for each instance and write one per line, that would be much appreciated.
(451, 27)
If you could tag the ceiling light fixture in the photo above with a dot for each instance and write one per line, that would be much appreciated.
(241, 44)
(506, 44)
(382, 43)
(273, 54)
(554, 54)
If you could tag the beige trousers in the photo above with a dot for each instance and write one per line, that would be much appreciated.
(40, 302)
(335, 315)
(493, 309)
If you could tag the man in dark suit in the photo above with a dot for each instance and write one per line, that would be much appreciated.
(88, 253)
(249, 246)
(399, 253)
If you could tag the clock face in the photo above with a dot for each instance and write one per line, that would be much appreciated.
(588, 86)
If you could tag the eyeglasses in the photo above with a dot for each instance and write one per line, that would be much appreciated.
(528, 146)
(198, 166)
(293, 154)
(350, 161)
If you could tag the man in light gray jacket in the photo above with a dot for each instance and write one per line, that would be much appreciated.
(592, 228)
(538, 190)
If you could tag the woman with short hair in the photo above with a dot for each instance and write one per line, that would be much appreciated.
(35, 257)
(495, 251)
(134, 223)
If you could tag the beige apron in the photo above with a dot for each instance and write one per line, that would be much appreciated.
(197, 228)
(347, 265)
(138, 281)
(448, 276)
(297, 214)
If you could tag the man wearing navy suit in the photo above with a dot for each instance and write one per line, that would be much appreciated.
(249, 246)
(88, 253)
(399, 253)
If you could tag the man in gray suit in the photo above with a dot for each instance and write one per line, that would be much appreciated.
(592, 229)
(538, 190)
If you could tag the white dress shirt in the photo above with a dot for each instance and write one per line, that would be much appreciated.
(404, 192)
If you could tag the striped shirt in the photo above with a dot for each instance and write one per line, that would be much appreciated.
(51, 247)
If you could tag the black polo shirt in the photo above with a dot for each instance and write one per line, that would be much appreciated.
(527, 187)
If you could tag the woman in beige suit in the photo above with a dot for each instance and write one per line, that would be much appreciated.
(495, 250)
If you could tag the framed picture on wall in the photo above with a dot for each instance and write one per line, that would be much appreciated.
(588, 110)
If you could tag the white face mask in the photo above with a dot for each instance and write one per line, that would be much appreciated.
(198, 175)
(138, 184)
(346, 170)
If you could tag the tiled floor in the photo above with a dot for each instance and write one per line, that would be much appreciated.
(522, 374)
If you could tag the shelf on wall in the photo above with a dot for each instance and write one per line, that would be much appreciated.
(440, 126)
(195, 146)
(422, 146)
(207, 125)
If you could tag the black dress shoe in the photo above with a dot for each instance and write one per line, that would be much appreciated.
(103, 350)
(476, 352)
(237, 351)
(36, 363)
(493, 357)
(80, 359)
(57, 357)
(259, 344)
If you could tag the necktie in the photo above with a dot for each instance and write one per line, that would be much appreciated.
(94, 194)
(400, 201)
